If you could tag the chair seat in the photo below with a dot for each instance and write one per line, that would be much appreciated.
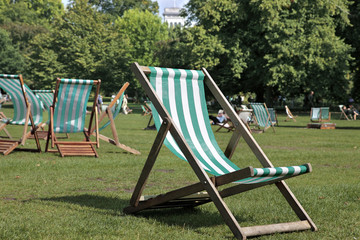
(7, 146)
(77, 150)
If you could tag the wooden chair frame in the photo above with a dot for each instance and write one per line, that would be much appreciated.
(7, 146)
(176, 198)
(70, 144)
(289, 115)
(343, 114)
(115, 141)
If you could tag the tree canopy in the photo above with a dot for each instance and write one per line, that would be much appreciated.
(267, 47)
(286, 47)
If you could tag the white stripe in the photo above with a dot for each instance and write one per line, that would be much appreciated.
(204, 132)
(158, 86)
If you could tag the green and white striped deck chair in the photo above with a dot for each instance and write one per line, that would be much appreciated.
(67, 115)
(181, 117)
(262, 116)
(320, 114)
(273, 116)
(46, 97)
(27, 111)
(112, 111)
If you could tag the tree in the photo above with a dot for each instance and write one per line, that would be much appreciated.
(143, 30)
(278, 46)
(190, 48)
(11, 61)
(352, 36)
(76, 47)
(117, 8)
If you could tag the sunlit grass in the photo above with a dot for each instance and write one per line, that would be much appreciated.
(44, 196)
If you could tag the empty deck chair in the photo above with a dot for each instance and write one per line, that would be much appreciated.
(27, 111)
(112, 111)
(46, 97)
(320, 114)
(273, 116)
(146, 110)
(181, 117)
(261, 116)
(289, 114)
(67, 115)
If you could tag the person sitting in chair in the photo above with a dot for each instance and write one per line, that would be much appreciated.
(220, 118)
(353, 111)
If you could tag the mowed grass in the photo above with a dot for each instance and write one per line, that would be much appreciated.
(44, 196)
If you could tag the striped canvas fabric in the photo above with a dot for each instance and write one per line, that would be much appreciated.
(11, 84)
(288, 112)
(70, 108)
(325, 113)
(315, 114)
(115, 110)
(272, 115)
(261, 114)
(182, 94)
(46, 97)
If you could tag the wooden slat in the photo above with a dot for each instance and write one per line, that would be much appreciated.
(276, 228)
(7, 147)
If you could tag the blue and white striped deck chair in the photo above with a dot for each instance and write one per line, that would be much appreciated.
(112, 111)
(181, 117)
(22, 97)
(67, 115)
(262, 116)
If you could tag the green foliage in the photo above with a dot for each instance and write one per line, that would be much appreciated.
(190, 48)
(117, 8)
(11, 60)
(78, 46)
(352, 36)
(285, 47)
(143, 30)
(31, 12)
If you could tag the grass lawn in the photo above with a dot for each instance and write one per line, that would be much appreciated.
(44, 196)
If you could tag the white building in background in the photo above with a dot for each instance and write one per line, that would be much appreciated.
(172, 17)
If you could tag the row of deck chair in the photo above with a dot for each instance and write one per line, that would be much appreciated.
(67, 110)
(180, 114)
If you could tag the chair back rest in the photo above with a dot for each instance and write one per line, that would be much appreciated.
(325, 113)
(71, 99)
(288, 111)
(261, 114)
(46, 97)
(16, 89)
(182, 93)
(143, 108)
(315, 113)
(272, 115)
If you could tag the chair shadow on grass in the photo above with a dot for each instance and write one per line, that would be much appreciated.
(192, 217)
(98, 202)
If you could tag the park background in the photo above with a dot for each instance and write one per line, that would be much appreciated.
(262, 49)
(259, 48)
